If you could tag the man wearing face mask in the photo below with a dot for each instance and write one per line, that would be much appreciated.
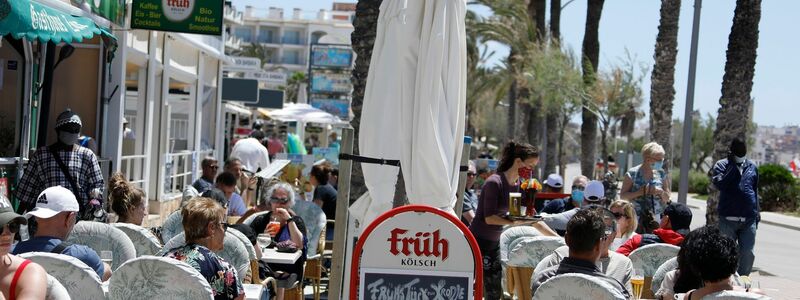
(66, 164)
(736, 178)
(574, 200)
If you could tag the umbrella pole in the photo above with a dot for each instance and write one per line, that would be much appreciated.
(462, 178)
(342, 217)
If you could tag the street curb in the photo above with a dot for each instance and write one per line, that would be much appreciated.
(773, 223)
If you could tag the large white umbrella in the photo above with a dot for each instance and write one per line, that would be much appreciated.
(414, 104)
(305, 113)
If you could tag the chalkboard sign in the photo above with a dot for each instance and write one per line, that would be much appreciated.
(383, 284)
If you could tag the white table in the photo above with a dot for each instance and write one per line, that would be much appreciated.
(253, 291)
(271, 255)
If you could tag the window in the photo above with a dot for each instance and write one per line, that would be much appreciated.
(291, 57)
(245, 33)
(266, 35)
(291, 37)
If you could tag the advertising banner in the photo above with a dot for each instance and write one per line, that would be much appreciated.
(330, 82)
(112, 10)
(336, 107)
(417, 251)
(189, 16)
(331, 56)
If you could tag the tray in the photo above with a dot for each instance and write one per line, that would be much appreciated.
(535, 218)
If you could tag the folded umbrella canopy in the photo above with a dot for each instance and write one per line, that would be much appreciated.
(414, 104)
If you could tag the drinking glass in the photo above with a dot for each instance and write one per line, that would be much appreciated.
(264, 239)
(107, 256)
(637, 282)
(273, 227)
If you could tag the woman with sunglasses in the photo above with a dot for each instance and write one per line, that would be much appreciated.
(19, 278)
(292, 228)
(647, 187)
(626, 222)
(204, 226)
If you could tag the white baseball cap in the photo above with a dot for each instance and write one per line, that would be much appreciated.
(52, 201)
(554, 180)
(594, 189)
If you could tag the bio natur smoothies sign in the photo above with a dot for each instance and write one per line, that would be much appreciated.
(189, 16)
(416, 252)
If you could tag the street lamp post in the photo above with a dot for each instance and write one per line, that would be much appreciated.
(683, 188)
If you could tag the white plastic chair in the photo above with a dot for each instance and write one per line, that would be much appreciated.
(233, 252)
(104, 237)
(55, 290)
(252, 217)
(80, 281)
(151, 277)
(650, 257)
(173, 225)
(577, 286)
(508, 236)
(525, 253)
(661, 272)
(735, 295)
(145, 242)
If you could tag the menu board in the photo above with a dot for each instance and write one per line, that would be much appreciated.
(382, 284)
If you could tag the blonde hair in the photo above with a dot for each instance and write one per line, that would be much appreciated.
(652, 148)
(629, 212)
(197, 214)
(124, 197)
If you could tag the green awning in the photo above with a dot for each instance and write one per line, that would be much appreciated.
(33, 20)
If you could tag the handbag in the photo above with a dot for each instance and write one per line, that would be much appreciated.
(91, 213)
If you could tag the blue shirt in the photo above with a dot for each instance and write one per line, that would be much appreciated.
(470, 204)
(47, 244)
(236, 205)
(556, 206)
(738, 188)
(202, 185)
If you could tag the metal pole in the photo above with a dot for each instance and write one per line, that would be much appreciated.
(687, 116)
(342, 217)
(462, 180)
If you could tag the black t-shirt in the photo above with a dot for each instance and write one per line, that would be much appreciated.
(326, 194)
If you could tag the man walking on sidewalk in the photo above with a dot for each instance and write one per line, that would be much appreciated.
(737, 180)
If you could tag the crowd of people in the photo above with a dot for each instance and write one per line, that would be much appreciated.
(600, 233)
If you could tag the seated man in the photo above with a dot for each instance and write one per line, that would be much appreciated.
(586, 234)
(206, 182)
(226, 182)
(56, 212)
(611, 263)
(592, 195)
(675, 221)
(556, 206)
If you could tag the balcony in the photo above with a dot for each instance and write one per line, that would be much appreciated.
(233, 42)
(293, 40)
(233, 16)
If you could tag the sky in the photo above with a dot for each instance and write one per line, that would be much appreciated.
(632, 25)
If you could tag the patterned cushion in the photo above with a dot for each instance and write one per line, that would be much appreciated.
(315, 221)
(577, 286)
(650, 257)
(188, 193)
(172, 226)
(528, 251)
(233, 252)
(735, 295)
(80, 281)
(104, 237)
(145, 242)
(151, 277)
(251, 250)
(56, 291)
(252, 217)
(661, 272)
(511, 234)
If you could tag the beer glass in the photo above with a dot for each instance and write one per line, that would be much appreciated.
(514, 203)
(637, 282)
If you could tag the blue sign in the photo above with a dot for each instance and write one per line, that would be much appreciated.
(378, 284)
(336, 107)
(331, 56)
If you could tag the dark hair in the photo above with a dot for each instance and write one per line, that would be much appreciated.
(207, 161)
(686, 279)
(217, 195)
(124, 197)
(584, 230)
(231, 161)
(226, 179)
(514, 150)
(321, 173)
(713, 256)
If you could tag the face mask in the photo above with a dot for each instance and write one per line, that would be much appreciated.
(577, 196)
(525, 172)
(658, 165)
(739, 159)
(67, 138)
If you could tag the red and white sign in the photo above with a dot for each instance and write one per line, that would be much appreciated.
(416, 252)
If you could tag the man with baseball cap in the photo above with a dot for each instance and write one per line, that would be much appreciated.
(675, 222)
(56, 213)
(574, 200)
(66, 164)
(593, 195)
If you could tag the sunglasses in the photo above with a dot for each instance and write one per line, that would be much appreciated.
(12, 227)
(618, 215)
(578, 187)
(224, 226)
(471, 174)
(279, 200)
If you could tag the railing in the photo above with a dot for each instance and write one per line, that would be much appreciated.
(179, 169)
(233, 42)
(292, 40)
(234, 15)
(133, 167)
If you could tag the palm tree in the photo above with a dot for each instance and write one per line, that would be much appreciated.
(293, 84)
(552, 149)
(662, 91)
(365, 26)
(733, 117)
(590, 61)
(256, 50)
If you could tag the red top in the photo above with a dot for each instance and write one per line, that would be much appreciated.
(12, 292)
